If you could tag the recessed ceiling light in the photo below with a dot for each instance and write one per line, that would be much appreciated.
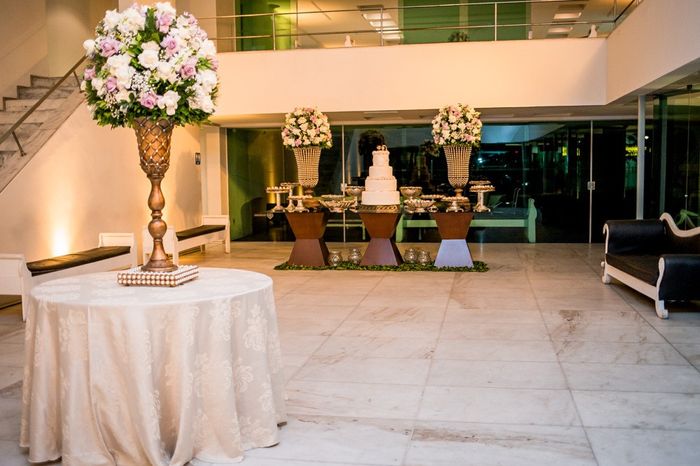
(560, 30)
(376, 16)
(563, 16)
(387, 23)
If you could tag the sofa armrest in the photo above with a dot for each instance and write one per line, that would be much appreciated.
(634, 236)
(678, 277)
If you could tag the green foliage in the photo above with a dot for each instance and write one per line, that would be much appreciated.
(405, 267)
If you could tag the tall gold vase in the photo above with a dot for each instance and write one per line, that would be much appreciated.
(307, 166)
(153, 138)
(458, 166)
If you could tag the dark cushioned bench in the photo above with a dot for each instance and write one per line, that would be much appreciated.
(113, 251)
(55, 264)
(198, 231)
(213, 228)
(655, 258)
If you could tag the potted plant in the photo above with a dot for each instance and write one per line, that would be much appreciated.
(457, 128)
(306, 131)
(151, 70)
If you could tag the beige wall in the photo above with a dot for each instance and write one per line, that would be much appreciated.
(655, 40)
(555, 72)
(44, 37)
(23, 43)
(87, 180)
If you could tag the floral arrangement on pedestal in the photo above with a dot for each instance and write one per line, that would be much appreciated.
(457, 124)
(306, 131)
(148, 62)
(457, 128)
(306, 126)
(151, 70)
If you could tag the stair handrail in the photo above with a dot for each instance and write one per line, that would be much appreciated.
(32, 109)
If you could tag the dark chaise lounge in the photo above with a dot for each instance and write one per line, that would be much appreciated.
(654, 257)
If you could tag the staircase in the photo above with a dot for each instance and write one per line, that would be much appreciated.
(39, 126)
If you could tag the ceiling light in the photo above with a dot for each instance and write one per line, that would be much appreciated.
(560, 30)
(376, 16)
(387, 23)
(564, 16)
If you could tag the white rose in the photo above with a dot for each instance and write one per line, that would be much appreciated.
(99, 85)
(112, 19)
(166, 71)
(169, 101)
(149, 59)
(118, 61)
(165, 7)
(89, 46)
(124, 75)
(132, 21)
(208, 49)
(122, 95)
(150, 45)
(208, 80)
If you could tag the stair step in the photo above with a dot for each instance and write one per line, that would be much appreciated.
(22, 105)
(24, 92)
(39, 116)
(45, 81)
(24, 133)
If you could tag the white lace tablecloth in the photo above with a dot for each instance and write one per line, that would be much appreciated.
(140, 376)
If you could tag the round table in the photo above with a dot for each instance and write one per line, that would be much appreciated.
(145, 375)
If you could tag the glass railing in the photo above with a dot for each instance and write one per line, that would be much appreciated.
(287, 28)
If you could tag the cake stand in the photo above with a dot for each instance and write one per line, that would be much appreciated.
(300, 203)
(481, 187)
(277, 191)
(456, 202)
(355, 192)
(290, 185)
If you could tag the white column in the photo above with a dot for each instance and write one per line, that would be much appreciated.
(214, 170)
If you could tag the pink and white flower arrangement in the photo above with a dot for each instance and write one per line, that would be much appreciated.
(457, 124)
(148, 62)
(306, 126)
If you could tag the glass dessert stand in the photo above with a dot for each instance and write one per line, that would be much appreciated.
(481, 187)
(277, 191)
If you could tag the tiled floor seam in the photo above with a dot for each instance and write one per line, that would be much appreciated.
(430, 369)
(566, 379)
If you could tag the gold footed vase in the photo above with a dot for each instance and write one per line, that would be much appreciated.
(458, 166)
(307, 167)
(153, 138)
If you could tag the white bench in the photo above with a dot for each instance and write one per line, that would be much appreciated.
(213, 228)
(113, 251)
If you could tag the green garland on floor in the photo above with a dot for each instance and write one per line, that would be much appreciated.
(405, 267)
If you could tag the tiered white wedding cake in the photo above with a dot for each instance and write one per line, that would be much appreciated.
(380, 185)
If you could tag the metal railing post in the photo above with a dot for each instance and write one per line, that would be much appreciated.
(381, 26)
(19, 146)
(274, 32)
(495, 21)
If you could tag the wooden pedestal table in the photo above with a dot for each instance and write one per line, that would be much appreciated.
(381, 249)
(309, 247)
(453, 228)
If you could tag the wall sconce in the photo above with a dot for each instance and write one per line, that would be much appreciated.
(197, 158)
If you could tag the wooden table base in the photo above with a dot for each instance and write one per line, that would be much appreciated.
(381, 249)
(309, 248)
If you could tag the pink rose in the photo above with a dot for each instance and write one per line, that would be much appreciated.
(148, 99)
(89, 73)
(111, 84)
(189, 68)
(169, 43)
(109, 47)
(163, 22)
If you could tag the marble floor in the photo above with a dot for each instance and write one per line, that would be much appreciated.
(535, 362)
